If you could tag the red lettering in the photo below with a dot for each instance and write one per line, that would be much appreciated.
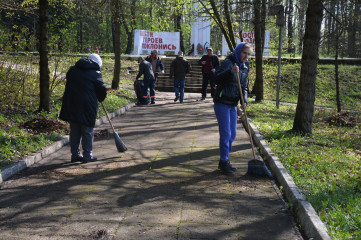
(160, 40)
(174, 47)
(244, 35)
(156, 40)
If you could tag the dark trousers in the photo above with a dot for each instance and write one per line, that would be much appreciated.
(149, 84)
(86, 135)
(208, 77)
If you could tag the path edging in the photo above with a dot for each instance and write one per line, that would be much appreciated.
(309, 221)
(53, 147)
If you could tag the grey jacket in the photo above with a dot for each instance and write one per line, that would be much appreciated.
(145, 68)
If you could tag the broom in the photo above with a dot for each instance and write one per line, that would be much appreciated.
(256, 167)
(118, 142)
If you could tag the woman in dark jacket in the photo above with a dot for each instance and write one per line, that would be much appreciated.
(226, 99)
(84, 88)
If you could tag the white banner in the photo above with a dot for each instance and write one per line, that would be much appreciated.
(249, 38)
(165, 42)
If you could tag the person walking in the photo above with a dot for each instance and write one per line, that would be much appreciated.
(145, 68)
(178, 70)
(226, 99)
(209, 64)
(84, 88)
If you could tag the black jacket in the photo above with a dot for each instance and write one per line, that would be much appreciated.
(179, 68)
(227, 90)
(214, 61)
(145, 68)
(84, 88)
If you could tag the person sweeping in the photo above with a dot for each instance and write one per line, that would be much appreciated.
(226, 98)
(84, 88)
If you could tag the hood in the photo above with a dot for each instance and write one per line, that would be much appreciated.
(87, 64)
(237, 53)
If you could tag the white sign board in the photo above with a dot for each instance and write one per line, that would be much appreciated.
(146, 41)
(249, 38)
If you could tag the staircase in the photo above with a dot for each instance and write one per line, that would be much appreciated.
(193, 79)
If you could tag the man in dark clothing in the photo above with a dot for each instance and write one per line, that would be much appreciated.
(145, 68)
(178, 69)
(209, 64)
(84, 88)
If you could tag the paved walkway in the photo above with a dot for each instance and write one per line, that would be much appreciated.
(166, 186)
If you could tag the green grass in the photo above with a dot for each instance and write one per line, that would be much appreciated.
(18, 107)
(325, 165)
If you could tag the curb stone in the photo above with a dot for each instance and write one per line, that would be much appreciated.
(307, 217)
(53, 147)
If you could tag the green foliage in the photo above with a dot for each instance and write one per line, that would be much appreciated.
(324, 165)
(349, 76)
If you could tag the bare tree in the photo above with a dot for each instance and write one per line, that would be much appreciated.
(307, 87)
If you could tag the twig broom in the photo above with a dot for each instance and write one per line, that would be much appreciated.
(255, 166)
(118, 142)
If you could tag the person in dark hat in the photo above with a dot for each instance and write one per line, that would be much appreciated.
(84, 88)
(145, 68)
(209, 64)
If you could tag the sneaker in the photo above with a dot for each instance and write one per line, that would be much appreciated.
(152, 103)
(176, 98)
(225, 168)
(232, 168)
(92, 159)
(203, 98)
(77, 159)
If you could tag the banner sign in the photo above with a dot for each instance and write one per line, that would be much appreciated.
(249, 38)
(165, 42)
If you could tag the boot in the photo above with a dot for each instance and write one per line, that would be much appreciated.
(232, 168)
(225, 168)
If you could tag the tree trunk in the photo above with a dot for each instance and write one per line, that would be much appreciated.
(258, 85)
(117, 47)
(44, 103)
(351, 29)
(307, 87)
(301, 27)
(179, 29)
(290, 48)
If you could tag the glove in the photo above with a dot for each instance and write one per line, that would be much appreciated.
(162, 71)
(213, 70)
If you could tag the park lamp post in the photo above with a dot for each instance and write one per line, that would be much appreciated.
(278, 10)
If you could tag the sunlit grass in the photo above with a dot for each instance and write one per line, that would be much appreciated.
(325, 165)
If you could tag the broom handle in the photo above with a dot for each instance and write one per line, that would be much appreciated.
(106, 113)
(245, 114)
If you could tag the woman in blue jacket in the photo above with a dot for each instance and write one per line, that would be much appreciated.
(226, 99)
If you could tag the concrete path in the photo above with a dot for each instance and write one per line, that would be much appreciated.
(166, 186)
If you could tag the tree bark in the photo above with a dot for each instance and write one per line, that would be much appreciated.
(117, 47)
(44, 103)
(258, 85)
(307, 87)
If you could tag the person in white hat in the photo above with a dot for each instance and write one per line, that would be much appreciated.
(84, 88)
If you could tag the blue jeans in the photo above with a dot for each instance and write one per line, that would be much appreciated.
(86, 134)
(227, 123)
(179, 88)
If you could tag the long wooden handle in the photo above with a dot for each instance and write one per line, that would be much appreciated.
(106, 113)
(245, 114)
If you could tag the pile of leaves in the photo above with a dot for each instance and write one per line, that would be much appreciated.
(44, 125)
(341, 119)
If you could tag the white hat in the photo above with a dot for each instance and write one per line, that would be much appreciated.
(96, 58)
(180, 54)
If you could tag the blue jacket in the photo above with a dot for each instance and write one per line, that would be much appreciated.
(84, 88)
(227, 90)
(158, 65)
